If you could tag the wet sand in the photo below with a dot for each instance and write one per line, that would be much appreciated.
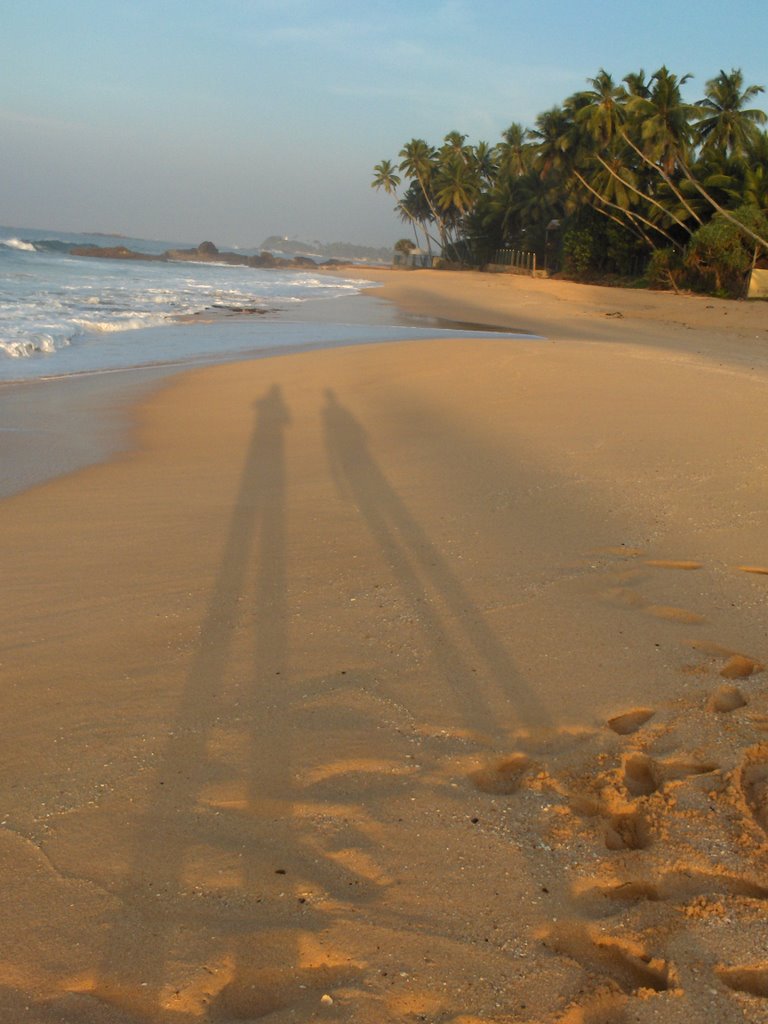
(418, 681)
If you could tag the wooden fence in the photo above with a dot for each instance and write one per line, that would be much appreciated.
(519, 258)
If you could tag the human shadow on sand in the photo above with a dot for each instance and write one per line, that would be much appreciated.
(491, 697)
(207, 921)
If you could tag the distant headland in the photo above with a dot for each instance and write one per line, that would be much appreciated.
(298, 255)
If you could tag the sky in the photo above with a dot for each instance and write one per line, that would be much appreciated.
(232, 120)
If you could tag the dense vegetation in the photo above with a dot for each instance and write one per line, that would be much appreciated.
(622, 178)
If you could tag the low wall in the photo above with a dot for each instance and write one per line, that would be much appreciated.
(758, 285)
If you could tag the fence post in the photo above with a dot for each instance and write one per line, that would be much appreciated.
(534, 263)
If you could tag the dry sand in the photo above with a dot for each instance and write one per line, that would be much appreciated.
(410, 682)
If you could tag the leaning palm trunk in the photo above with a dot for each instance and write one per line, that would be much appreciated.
(631, 226)
(438, 219)
(723, 212)
(665, 177)
(644, 195)
(631, 216)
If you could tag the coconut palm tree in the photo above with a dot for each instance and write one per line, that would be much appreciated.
(414, 210)
(385, 177)
(668, 134)
(664, 119)
(419, 161)
(599, 119)
(726, 124)
(456, 184)
(453, 143)
(484, 160)
(637, 84)
(514, 152)
(754, 191)
(602, 109)
(552, 137)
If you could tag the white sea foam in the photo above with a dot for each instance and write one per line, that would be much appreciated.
(51, 301)
(17, 243)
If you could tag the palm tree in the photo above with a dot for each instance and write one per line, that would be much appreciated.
(514, 151)
(667, 131)
(414, 210)
(754, 190)
(552, 137)
(385, 177)
(660, 122)
(484, 160)
(664, 119)
(601, 115)
(602, 110)
(419, 161)
(456, 184)
(454, 143)
(726, 124)
(637, 84)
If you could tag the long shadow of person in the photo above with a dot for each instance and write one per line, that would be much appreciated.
(454, 628)
(204, 874)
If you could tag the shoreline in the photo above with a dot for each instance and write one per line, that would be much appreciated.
(570, 311)
(53, 425)
(427, 677)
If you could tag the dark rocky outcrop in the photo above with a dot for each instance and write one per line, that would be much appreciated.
(111, 252)
(206, 252)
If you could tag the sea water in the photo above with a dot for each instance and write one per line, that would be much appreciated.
(81, 338)
(62, 314)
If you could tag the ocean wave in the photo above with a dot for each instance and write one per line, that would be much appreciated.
(49, 303)
(131, 322)
(53, 245)
(33, 345)
(17, 243)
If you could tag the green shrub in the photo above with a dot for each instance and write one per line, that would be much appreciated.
(578, 250)
(665, 269)
(720, 256)
(404, 245)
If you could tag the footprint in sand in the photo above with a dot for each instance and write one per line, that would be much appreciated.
(621, 961)
(626, 832)
(630, 721)
(619, 551)
(751, 980)
(679, 886)
(503, 777)
(739, 666)
(736, 666)
(752, 779)
(623, 597)
(261, 992)
(673, 614)
(663, 563)
(640, 775)
(602, 1007)
(726, 698)
(622, 829)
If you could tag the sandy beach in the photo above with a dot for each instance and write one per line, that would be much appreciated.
(420, 681)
